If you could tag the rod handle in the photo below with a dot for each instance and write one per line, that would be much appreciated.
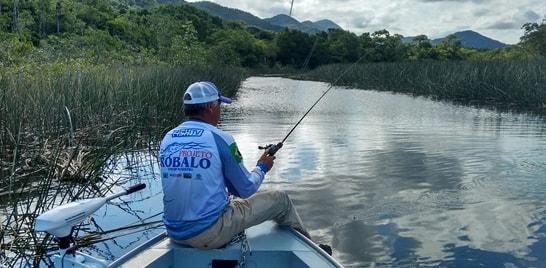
(135, 188)
(274, 148)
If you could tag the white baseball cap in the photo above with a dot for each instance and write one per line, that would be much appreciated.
(203, 92)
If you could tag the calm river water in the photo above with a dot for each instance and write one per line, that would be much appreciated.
(385, 179)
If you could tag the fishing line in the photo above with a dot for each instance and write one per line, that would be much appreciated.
(273, 148)
(93, 237)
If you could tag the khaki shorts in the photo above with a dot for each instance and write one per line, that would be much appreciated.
(241, 214)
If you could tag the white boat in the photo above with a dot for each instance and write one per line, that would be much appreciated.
(262, 246)
(265, 245)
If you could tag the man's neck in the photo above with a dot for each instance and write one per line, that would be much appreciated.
(198, 119)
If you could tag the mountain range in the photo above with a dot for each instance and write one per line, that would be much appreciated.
(470, 39)
(276, 23)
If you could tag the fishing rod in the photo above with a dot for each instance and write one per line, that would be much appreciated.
(273, 148)
(291, 5)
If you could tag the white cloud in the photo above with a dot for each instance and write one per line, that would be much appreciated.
(496, 19)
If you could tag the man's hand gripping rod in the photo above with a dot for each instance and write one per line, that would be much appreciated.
(273, 148)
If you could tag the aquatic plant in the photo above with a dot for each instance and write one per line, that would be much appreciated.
(515, 83)
(62, 126)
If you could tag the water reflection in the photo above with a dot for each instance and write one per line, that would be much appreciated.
(392, 180)
(141, 210)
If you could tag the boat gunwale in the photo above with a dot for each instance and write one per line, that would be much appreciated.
(163, 235)
(139, 249)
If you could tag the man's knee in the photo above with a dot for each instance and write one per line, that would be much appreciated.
(281, 197)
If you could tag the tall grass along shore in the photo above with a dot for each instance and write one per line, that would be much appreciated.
(61, 126)
(510, 84)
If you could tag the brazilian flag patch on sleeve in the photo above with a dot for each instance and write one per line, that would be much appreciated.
(235, 152)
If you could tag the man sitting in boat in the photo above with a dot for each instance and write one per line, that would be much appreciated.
(201, 167)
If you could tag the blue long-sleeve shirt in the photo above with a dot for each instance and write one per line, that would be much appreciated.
(199, 165)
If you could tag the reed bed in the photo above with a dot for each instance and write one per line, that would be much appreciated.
(61, 126)
(513, 84)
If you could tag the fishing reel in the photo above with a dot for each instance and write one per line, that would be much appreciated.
(271, 148)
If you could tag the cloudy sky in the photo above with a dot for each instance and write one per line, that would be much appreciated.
(497, 19)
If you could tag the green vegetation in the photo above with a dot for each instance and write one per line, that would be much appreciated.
(99, 32)
(510, 84)
(91, 108)
(83, 82)
(61, 129)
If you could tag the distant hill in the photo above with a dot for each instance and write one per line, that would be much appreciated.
(469, 39)
(321, 25)
(285, 21)
(327, 24)
(473, 39)
(276, 23)
(231, 14)
(282, 20)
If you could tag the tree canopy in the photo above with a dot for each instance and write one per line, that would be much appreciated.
(534, 38)
(142, 32)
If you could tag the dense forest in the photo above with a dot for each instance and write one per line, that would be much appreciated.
(145, 32)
